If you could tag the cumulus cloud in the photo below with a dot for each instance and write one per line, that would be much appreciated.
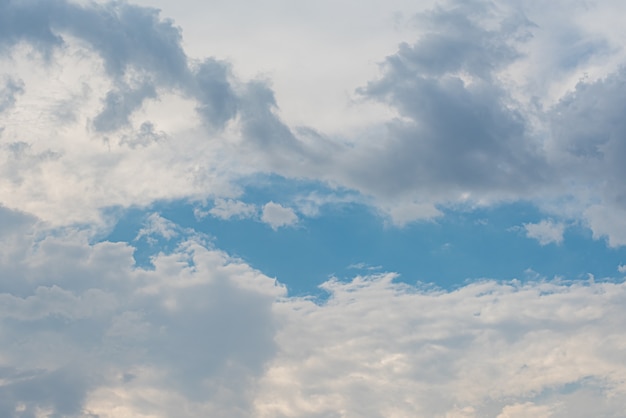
(377, 348)
(199, 323)
(277, 216)
(101, 107)
(460, 131)
(468, 128)
(205, 334)
(546, 232)
(114, 68)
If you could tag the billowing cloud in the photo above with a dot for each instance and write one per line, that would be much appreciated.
(380, 349)
(469, 129)
(204, 334)
(199, 322)
(277, 216)
(101, 110)
(588, 133)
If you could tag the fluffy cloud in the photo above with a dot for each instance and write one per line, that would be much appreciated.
(277, 216)
(204, 334)
(102, 108)
(379, 349)
(546, 232)
(469, 128)
(83, 326)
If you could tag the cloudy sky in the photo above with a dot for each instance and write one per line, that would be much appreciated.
(312, 209)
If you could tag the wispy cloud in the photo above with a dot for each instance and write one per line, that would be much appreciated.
(229, 208)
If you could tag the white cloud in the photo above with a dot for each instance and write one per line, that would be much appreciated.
(277, 216)
(162, 125)
(203, 334)
(376, 348)
(101, 107)
(157, 226)
(546, 232)
(607, 222)
(364, 266)
(621, 268)
(229, 208)
(524, 410)
(153, 342)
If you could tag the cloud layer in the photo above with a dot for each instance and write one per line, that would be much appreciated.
(85, 332)
(470, 130)
(101, 109)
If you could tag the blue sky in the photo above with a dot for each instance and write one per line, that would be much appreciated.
(347, 239)
(312, 209)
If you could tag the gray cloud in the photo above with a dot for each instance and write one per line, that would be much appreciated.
(588, 130)
(457, 40)
(9, 92)
(133, 42)
(145, 136)
(29, 21)
(203, 334)
(75, 316)
(120, 104)
(460, 131)
(218, 101)
(126, 37)
(28, 392)
(461, 135)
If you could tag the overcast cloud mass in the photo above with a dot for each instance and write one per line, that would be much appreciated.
(280, 116)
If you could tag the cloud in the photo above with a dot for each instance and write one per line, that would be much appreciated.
(379, 348)
(113, 68)
(203, 334)
(199, 323)
(102, 108)
(156, 226)
(277, 216)
(459, 135)
(229, 208)
(606, 221)
(119, 105)
(621, 268)
(460, 131)
(218, 101)
(9, 92)
(472, 126)
(546, 232)
(363, 266)
(524, 410)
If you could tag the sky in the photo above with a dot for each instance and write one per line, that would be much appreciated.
(312, 209)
